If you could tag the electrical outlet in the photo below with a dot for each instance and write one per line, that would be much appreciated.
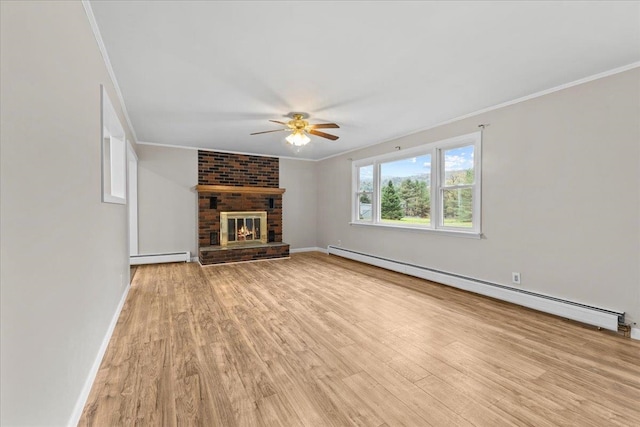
(339, 242)
(515, 278)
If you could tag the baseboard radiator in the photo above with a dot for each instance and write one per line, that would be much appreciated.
(603, 318)
(160, 258)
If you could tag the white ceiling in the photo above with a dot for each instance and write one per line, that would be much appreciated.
(206, 74)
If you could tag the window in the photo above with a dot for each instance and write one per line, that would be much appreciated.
(114, 172)
(457, 183)
(431, 187)
(405, 191)
(364, 195)
(113, 166)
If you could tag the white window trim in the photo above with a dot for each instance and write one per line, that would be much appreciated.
(356, 196)
(113, 153)
(435, 149)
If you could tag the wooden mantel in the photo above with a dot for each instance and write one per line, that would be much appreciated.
(233, 189)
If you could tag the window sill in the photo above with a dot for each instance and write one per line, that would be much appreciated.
(443, 232)
(108, 198)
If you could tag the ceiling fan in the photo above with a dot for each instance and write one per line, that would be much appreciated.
(299, 129)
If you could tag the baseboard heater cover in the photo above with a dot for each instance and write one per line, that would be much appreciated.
(603, 318)
(160, 258)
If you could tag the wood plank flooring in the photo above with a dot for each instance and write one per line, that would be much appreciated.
(318, 340)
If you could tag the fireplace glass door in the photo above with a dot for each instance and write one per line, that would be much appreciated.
(243, 227)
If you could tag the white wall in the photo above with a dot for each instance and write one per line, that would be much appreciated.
(64, 259)
(167, 200)
(561, 196)
(299, 203)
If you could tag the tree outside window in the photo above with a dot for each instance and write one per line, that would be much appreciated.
(390, 206)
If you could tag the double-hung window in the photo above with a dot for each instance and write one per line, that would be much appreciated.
(431, 187)
(364, 194)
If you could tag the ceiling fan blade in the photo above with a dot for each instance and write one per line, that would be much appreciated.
(322, 134)
(280, 123)
(324, 126)
(268, 131)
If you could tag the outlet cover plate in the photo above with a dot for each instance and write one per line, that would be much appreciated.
(516, 278)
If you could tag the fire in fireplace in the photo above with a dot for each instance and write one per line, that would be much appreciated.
(243, 227)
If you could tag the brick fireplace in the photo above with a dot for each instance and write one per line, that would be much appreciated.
(243, 191)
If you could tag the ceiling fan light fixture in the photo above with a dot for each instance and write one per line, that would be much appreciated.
(298, 138)
(299, 129)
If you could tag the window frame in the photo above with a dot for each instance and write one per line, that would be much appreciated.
(113, 153)
(358, 193)
(436, 150)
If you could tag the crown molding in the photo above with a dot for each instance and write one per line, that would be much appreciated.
(105, 56)
(103, 50)
(501, 105)
(455, 119)
(188, 147)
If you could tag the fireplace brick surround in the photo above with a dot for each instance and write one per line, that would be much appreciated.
(257, 179)
(238, 170)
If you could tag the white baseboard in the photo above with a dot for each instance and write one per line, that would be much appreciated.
(159, 258)
(635, 333)
(313, 249)
(86, 389)
(603, 318)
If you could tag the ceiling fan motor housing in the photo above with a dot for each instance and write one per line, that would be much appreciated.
(298, 123)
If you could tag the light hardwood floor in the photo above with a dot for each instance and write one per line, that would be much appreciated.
(318, 340)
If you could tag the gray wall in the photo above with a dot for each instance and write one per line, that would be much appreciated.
(64, 254)
(299, 204)
(167, 200)
(561, 195)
